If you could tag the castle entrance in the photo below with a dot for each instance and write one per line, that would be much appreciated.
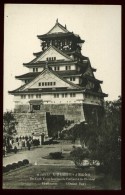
(36, 105)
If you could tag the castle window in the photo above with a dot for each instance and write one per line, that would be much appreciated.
(56, 68)
(72, 79)
(23, 96)
(56, 95)
(72, 94)
(64, 95)
(47, 83)
(39, 84)
(30, 96)
(38, 95)
(68, 67)
(35, 69)
(51, 59)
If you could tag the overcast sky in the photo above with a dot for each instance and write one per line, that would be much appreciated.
(98, 25)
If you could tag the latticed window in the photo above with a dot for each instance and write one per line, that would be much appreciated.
(68, 67)
(72, 94)
(23, 96)
(56, 68)
(56, 95)
(64, 95)
(72, 78)
(38, 95)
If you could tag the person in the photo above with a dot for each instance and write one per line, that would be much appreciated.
(15, 149)
(3, 151)
(28, 145)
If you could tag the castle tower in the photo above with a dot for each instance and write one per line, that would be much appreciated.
(60, 80)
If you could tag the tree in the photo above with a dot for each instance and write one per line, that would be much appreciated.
(105, 144)
(9, 123)
(103, 139)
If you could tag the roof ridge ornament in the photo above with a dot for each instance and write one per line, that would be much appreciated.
(57, 21)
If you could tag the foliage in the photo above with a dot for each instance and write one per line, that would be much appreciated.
(20, 163)
(102, 138)
(78, 154)
(15, 165)
(105, 143)
(25, 161)
(9, 124)
(56, 155)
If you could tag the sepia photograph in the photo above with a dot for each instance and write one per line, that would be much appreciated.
(62, 97)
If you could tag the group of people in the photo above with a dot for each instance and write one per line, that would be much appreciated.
(17, 143)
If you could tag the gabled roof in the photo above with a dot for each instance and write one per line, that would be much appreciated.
(58, 28)
(23, 88)
(36, 60)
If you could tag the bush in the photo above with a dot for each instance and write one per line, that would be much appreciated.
(20, 163)
(14, 165)
(25, 162)
(8, 167)
(78, 154)
(56, 155)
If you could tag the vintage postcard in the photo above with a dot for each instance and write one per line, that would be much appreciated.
(62, 97)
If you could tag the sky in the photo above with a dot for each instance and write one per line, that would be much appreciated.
(98, 25)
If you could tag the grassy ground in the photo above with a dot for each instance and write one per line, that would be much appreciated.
(53, 174)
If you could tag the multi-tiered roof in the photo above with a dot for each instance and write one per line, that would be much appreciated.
(61, 48)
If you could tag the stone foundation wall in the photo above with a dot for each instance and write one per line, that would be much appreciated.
(31, 122)
(37, 121)
(70, 111)
(23, 108)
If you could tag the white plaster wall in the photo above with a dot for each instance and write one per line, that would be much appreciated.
(50, 99)
(92, 100)
(73, 67)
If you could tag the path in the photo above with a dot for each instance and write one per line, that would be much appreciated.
(36, 155)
